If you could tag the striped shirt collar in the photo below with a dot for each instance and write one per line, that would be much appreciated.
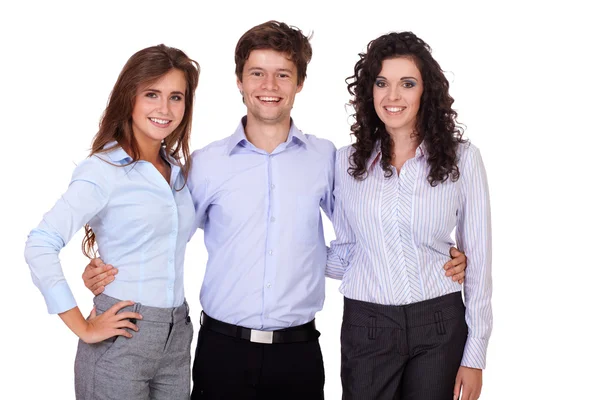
(376, 154)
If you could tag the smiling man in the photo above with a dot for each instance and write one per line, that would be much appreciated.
(258, 195)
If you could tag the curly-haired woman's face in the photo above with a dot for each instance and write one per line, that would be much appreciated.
(397, 94)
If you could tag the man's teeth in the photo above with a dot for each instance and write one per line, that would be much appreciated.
(395, 109)
(160, 121)
(269, 99)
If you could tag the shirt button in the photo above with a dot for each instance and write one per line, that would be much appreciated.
(403, 172)
(269, 285)
(272, 219)
(270, 252)
(272, 186)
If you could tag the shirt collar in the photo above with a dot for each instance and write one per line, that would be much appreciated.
(421, 151)
(116, 154)
(239, 136)
(376, 154)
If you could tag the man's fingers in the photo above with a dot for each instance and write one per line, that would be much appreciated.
(95, 277)
(100, 285)
(97, 263)
(97, 291)
(456, 262)
(102, 279)
(457, 270)
(458, 277)
(462, 260)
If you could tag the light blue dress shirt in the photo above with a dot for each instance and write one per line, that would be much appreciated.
(141, 224)
(262, 228)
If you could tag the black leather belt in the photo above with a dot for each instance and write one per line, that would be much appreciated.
(300, 333)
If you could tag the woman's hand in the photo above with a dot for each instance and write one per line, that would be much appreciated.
(101, 327)
(470, 380)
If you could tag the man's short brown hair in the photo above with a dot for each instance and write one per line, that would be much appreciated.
(277, 36)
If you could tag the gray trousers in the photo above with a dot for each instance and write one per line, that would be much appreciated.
(153, 364)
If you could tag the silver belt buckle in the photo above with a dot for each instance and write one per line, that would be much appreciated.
(265, 337)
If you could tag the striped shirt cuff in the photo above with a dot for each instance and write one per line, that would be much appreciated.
(59, 298)
(474, 355)
(334, 271)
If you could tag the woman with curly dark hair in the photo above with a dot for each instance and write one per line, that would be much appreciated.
(408, 183)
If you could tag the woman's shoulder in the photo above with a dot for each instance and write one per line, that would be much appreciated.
(343, 154)
(466, 151)
(98, 170)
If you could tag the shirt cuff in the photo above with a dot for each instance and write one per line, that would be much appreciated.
(59, 298)
(474, 355)
(334, 273)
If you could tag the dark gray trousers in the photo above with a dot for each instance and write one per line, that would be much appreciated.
(409, 352)
(153, 364)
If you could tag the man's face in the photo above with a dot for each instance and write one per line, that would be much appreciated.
(269, 85)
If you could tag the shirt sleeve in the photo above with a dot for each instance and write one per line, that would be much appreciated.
(197, 184)
(474, 238)
(340, 250)
(327, 201)
(86, 195)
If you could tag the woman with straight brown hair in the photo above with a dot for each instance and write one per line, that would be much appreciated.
(131, 196)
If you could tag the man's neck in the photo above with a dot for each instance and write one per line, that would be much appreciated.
(266, 136)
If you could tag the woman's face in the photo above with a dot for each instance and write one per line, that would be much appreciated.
(397, 94)
(159, 107)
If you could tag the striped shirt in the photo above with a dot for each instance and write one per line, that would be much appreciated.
(394, 236)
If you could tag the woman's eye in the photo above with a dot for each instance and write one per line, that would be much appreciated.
(151, 95)
(380, 84)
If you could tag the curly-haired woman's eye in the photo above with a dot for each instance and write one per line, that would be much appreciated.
(380, 83)
(409, 84)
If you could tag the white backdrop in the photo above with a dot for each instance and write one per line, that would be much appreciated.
(525, 80)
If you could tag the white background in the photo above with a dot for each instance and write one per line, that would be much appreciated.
(525, 79)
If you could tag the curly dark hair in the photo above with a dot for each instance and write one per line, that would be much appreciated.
(436, 120)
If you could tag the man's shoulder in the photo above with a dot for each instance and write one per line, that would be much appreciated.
(320, 145)
(212, 149)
